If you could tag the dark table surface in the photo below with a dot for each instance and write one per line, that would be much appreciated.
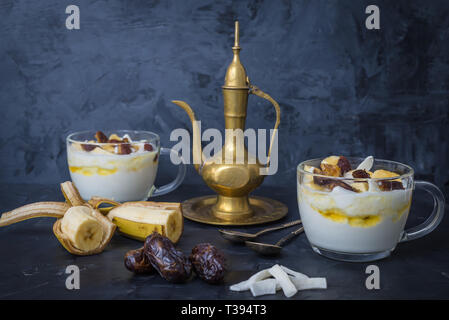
(33, 263)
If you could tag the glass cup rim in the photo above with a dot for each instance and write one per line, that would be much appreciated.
(410, 172)
(71, 140)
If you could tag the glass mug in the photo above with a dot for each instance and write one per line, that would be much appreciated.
(361, 226)
(98, 169)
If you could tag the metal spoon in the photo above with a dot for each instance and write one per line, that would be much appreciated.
(272, 249)
(238, 236)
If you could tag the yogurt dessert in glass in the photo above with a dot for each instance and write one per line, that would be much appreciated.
(355, 209)
(119, 165)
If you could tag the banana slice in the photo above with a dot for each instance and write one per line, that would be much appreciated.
(139, 219)
(83, 230)
(383, 174)
(331, 160)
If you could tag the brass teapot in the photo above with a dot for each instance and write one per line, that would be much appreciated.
(233, 180)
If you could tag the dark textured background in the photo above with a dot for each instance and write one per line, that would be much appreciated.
(342, 88)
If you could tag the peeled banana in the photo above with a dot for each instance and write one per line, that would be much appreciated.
(84, 231)
(139, 219)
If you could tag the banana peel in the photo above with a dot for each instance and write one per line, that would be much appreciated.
(71, 194)
(34, 210)
(96, 202)
(57, 210)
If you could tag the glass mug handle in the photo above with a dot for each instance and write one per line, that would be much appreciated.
(154, 192)
(435, 217)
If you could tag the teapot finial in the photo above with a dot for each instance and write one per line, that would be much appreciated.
(236, 36)
(236, 74)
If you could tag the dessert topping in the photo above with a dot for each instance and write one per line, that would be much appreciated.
(360, 174)
(101, 137)
(148, 147)
(124, 148)
(114, 144)
(339, 166)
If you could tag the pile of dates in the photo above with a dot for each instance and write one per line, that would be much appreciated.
(160, 254)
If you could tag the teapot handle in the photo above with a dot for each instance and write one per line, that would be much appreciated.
(256, 91)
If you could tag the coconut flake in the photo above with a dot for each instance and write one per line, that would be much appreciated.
(294, 273)
(127, 137)
(366, 164)
(303, 282)
(263, 287)
(284, 281)
(245, 285)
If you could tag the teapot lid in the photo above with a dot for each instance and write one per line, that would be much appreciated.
(236, 77)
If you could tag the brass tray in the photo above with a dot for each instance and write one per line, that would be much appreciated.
(265, 210)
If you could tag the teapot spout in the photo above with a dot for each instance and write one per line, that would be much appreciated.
(196, 150)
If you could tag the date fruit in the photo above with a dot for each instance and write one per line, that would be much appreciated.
(341, 184)
(344, 164)
(168, 261)
(386, 185)
(101, 137)
(360, 174)
(208, 263)
(137, 262)
(124, 148)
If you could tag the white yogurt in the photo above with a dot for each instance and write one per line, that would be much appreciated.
(122, 177)
(350, 222)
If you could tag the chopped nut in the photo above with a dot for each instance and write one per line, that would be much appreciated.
(101, 137)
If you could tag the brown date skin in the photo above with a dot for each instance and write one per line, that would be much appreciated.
(101, 137)
(344, 165)
(338, 183)
(88, 147)
(137, 262)
(169, 262)
(331, 183)
(208, 263)
(387, 185)
(360, 174)
(320, 180)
